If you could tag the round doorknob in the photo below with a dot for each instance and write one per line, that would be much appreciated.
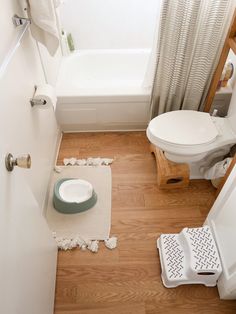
(23, 161)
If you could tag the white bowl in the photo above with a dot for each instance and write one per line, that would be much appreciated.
(76, 191)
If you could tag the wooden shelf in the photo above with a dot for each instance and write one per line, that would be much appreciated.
(232, 44)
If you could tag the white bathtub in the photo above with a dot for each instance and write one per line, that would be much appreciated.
(103, 90)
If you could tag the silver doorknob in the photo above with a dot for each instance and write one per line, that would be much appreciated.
(23, 161)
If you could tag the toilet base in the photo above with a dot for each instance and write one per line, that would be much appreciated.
(197, 169)
(198, 166)
(170, 175)
(195, 172)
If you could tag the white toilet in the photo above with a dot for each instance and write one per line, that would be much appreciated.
(193, 137)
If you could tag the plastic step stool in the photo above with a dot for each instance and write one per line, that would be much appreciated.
(190, 257)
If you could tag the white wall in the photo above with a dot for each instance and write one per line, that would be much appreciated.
(104, 24)
(50, 64)
(24, 129)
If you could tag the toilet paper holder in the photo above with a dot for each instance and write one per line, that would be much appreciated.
(36, 102)
(44, 98)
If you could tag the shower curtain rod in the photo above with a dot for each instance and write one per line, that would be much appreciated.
(23, 24)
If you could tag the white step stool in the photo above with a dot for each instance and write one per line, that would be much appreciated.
(190, 257)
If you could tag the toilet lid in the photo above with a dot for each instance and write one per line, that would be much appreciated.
(184, 127)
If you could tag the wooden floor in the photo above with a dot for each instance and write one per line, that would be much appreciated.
(127, 280)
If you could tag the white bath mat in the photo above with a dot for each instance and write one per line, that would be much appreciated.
(93, 224)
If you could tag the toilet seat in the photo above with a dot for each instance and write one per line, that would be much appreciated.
(184, 128)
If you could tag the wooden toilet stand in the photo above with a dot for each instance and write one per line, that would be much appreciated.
(170, 175)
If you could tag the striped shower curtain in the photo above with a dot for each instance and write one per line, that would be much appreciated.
(190, 40)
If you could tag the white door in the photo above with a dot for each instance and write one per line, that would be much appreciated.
(222, 219)
(27, 252)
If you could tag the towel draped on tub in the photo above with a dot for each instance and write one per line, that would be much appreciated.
(44, 23)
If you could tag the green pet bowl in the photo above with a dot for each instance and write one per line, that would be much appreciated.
(71, 196)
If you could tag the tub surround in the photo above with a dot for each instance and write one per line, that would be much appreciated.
(106, 24)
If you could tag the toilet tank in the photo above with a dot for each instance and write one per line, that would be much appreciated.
(232, 111)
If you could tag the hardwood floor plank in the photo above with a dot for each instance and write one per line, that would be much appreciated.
(95, 294)
(130, 308)
(154, 225)
(111, 273)
(161, 212)
(186, 307)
